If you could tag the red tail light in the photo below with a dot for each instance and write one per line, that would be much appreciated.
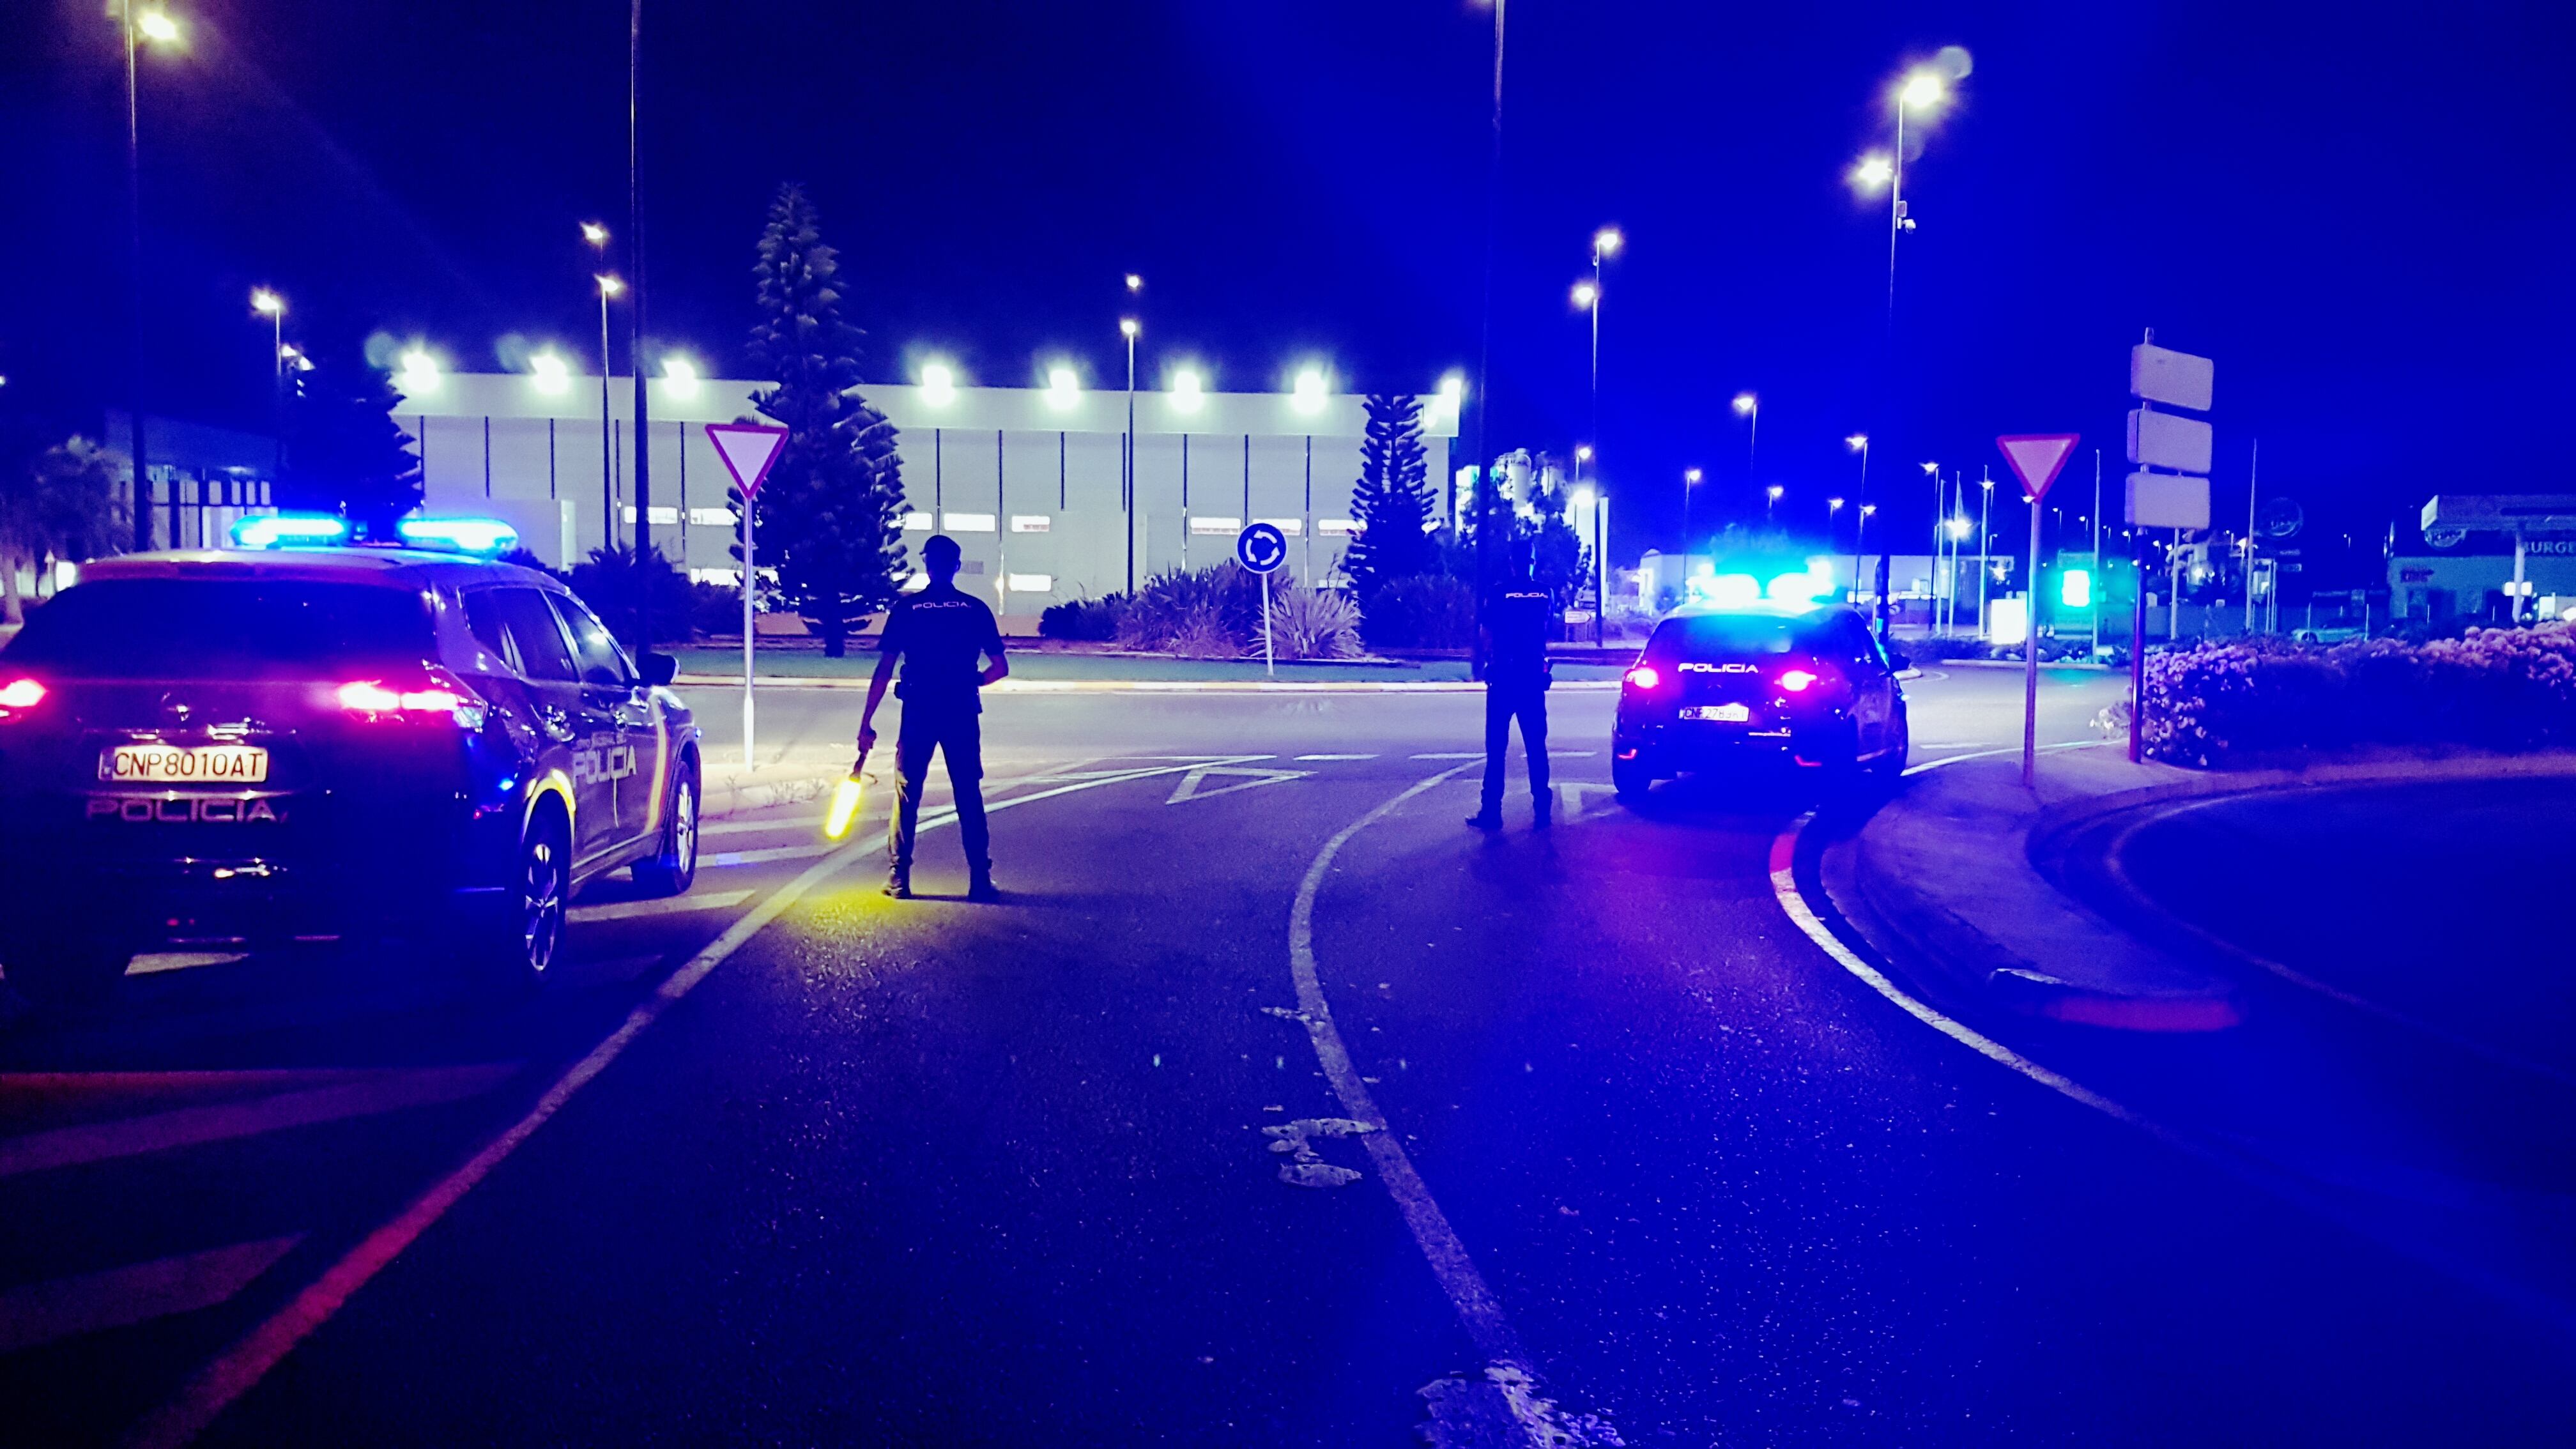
(21, 694)
(438, 695)
(1644, 676)
(1798, 681)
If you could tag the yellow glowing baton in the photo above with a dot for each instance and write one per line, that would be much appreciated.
(845, 802)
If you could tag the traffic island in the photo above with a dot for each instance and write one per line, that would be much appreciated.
(1943, 882)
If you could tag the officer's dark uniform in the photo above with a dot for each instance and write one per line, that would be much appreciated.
(942, 635)
(1516, 688)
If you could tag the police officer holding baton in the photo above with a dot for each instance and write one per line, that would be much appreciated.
(942, 635)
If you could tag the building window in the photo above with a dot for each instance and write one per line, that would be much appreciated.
(1227, 526)
(918, 522)
(727, 578)
(970, 523)
(660, 515)
(1343, 527)
(712, 517)
(1031, 523)
(1031, 583)
(1293, 527)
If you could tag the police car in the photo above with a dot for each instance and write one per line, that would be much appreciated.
(301, 737)
(1794, 684)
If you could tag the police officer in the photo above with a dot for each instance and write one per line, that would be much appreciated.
(942, 635)
(1514, 623)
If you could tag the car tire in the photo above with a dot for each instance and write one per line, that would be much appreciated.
(1889, 767)
(673, 867)
(1630, 780)
(67, 973)
(517, 945)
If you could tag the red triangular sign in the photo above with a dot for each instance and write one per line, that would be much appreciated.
(2036, 457)
(748, 451)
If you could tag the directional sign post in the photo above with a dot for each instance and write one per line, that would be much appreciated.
(1262, 548)
(2036, 459)
(748, 452)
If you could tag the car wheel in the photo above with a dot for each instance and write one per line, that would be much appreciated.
(518, 944)
(1631, 780)
(64, 973)
(671, 870)
(1890, 766)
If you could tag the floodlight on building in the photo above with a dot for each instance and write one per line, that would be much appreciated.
(1308, 395)
(1453, 390)
(1583, 498)
(1187, 390)
(1063, 389)
(680, 376)
(419, 375)
(938, 384)
(551, 373)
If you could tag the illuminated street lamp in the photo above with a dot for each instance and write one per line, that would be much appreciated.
(1605, 244)
(1690, 479)
(151, 27)
(267, 303)
(1749, 408)
(1770, 498)
(609, 286)
(1985, 520)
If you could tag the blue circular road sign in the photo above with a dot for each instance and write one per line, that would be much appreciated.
(1261, 547)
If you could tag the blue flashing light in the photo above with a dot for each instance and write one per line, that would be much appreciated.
(1802, 587)
(290, 530)
(462, 535)
(1730, 589)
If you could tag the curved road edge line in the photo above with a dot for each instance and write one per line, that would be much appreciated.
(239, 1368)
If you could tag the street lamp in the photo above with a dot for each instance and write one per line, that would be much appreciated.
(270, 305)
(153, 27)
(1605, 244)
(1690, 478)
(1749, 408)
(609, 286)
(1770, 498)
(1859, 443)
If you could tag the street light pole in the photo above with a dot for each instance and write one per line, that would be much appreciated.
(272, 306)
(1127, 444)
(1689, 477)
(1985, 521)
(1604, 242)
(1477, 453)
(635, 318)
(1859, 443)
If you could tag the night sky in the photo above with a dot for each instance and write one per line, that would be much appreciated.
(2363, 212)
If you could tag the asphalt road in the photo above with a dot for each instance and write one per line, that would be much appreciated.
(934, 1173)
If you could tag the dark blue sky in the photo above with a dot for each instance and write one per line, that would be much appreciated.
(2364, 212)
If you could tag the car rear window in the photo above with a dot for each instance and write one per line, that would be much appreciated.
(1721, 636)
(223, 629)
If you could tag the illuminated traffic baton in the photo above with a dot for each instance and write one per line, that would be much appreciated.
(845, 801)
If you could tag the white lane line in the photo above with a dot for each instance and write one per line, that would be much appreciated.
(38, 1313)
(233, 1372)
(667, 905)
(1784, 887)
(2004, 750)
(1303, 758)
(221, 1122)
(1478, 1309)
(1571, 754)
(724, 858)
(152, 963)
(1454, 755)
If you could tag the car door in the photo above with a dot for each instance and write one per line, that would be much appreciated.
(555, 694)
(618, 707)
(1873, 686)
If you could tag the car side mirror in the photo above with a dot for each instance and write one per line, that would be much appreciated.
(659, 669)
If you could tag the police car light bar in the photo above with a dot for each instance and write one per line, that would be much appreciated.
(290, 530)
(463, 535)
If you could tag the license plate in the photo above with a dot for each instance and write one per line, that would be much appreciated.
(1722, 713)
(185, 764)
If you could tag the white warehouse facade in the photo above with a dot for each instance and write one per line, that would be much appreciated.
(1025, 479)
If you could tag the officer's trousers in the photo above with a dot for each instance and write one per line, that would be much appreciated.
(960, 737)
(1503, 704)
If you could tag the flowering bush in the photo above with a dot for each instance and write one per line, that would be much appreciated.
(2503, 689)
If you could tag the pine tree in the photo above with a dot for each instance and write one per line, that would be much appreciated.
(344, 452)
(1391, 500)
(833, 503)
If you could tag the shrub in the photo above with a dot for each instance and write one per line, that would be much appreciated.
(1313, 623)
(1208, 614)
(1425, 611)
(1094, 620)
(612, 580)
(715, 609)
(2505, 689)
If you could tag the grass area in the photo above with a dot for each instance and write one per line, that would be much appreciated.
(1048, 664)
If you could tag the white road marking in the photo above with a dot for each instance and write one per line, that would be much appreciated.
(1784, 887)
(37, 1313)
(389, 1091)
(1192, 785)
(1573, 797)
(2004, 750)
(152, 963)
(1303, 758)
(1571, 754)
(233, 1372)
(667, 905)
(1478, 1309)
(1454, 755)
(725, 858)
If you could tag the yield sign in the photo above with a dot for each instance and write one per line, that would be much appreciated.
(2036, 457)
(748, 451)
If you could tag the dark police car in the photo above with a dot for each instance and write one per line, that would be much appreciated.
(1807, 686)
(247, 746)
